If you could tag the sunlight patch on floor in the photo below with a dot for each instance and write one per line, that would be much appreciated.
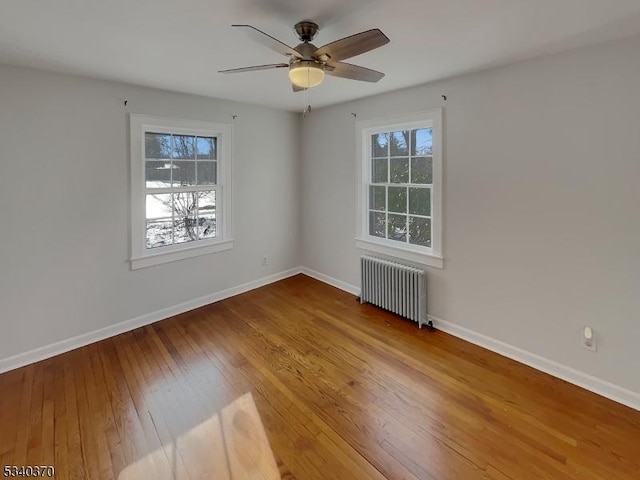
(230, 445)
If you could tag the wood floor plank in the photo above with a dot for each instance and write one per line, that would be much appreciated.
(10, 383)
(47, 439)
(343, 390)
(76, 444)
(34, 444)
(60, 419)
(22, 416)
(92, 454)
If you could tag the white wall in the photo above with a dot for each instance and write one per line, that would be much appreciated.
(64, 206)
(541, 203)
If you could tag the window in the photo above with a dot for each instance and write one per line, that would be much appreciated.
(181, 189)
(399, 187)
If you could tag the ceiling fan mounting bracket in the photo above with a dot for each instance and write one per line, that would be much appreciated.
(306, 31)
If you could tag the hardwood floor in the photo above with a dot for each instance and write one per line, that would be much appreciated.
(344, 392)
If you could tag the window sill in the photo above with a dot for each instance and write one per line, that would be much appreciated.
(402, 253)
(187, 252)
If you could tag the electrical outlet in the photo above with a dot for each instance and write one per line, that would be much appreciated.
(265, 261)
(589, 339)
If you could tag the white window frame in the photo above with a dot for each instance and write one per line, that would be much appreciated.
(414, 253)
(141, 256)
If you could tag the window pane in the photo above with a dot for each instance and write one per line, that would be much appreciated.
(397, 228)
(377, 224)
(206, 148)
(159, 207)
(420, 231)
(184, 203)
(379, 145)
(184, 173)
(377, 198)
(184, 216)
(159, 220)
(420, 201)
(206, 203)
(398, 199)
(399, 170)
(158, 173)
(157, 145)
(184, 146)
(159, 234)
(422, 141)
(207, 173)
(399, 144)
(379, 170)
(422, 170)
(185, 229)
(207, 215)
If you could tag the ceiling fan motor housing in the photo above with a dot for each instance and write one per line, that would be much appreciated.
(306, 50)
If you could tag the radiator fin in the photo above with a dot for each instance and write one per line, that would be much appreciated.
(399, 288)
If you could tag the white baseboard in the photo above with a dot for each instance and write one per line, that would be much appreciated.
(334, 282)
(571, 375)
(47, 351)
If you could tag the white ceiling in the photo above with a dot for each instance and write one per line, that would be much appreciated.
(180, 45)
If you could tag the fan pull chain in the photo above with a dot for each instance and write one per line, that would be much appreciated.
(307, 109)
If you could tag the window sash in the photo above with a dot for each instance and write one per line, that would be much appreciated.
(173, 219)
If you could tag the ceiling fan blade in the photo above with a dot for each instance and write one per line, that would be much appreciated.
(267, 40)
(354, 45)
(297, 88)
(254, 68)
(353, 72)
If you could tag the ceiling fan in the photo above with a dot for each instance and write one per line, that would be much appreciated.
(308, 64)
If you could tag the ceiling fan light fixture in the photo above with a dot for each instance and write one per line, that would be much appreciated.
(306, 74)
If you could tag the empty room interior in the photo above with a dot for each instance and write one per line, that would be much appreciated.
(278, 239)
